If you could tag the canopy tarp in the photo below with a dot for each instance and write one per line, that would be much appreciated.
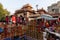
(47, 17)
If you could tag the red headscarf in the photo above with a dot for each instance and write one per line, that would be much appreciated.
(47, 24)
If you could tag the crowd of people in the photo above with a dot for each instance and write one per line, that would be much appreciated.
(11, 31)
(12, 28)
(53, 29)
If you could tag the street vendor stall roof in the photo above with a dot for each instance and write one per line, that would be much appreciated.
(47, 17)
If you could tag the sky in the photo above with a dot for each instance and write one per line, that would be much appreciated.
(13, 5)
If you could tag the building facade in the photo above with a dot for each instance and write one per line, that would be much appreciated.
(27, 11)
(54, 8)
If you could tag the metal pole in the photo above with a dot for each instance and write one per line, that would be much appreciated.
(37, 7)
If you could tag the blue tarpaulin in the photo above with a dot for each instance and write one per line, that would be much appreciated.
(7, 39)
(1, 30)
(17, 38)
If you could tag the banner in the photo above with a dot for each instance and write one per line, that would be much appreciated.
(13, 19)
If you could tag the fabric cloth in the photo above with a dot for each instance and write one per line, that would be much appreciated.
(44, 35)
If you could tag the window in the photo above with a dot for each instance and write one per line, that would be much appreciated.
(53, 10)
(25, 13)
(56, 10)
(55, 16)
